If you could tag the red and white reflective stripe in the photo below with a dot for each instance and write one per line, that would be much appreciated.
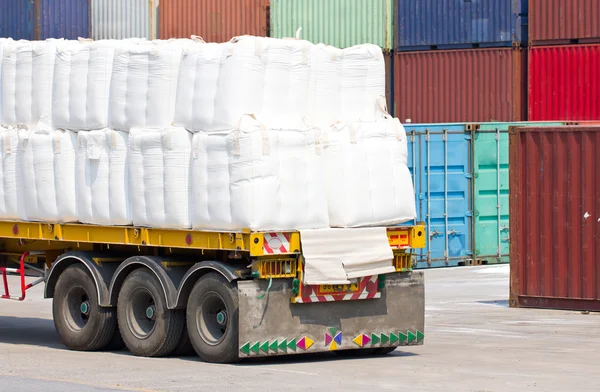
(368, 289)
(276, 243)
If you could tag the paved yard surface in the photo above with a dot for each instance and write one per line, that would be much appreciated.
(474, 342)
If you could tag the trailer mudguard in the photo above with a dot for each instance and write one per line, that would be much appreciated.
(168, 271)
(271, 325)
(101, 267)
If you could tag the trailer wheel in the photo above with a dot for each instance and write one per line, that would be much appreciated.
(80, 322)
(212, 319)
(184, 347)
(148, 327)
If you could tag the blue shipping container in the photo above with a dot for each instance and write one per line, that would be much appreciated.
(439, 158)
(455, 24)
(69, 19)
(16, 19)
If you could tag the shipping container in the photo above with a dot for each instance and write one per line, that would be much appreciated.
(555, 212)
(491, 221)
(389, 80)
(454, 24)
(118, 19)
(16, 19)
(341, 23)
(69, 19)
(473, 85)
(564, 83)
(213, 20)
(564, 21)
(439, 158)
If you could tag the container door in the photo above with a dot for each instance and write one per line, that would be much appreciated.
(439, 159)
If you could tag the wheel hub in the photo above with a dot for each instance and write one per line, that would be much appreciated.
(222, 317)
(151, 312)
(85, 308)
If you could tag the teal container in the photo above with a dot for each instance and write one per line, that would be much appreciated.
(491, 235)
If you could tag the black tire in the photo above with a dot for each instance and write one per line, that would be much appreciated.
(148, 327)
(116, 343)
(184, 347)
(213, 319)
(80, 322)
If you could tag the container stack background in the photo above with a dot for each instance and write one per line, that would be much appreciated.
(459, 74)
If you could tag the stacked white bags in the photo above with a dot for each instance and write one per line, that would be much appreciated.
(102, 177)
(11, 204)
(256, 178)
(46, 163)
(159, 164)
(144, 84)
(255, 133)
(26, 81)
(368, 181)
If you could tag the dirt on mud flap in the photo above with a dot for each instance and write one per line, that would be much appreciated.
(271, 325)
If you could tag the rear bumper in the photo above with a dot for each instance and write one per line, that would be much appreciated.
(272, 325)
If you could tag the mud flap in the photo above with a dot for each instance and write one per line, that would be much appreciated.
(271, 325)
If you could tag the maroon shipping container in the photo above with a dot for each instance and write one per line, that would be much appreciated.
(564, 83)
(472, 85)
(213, 20)
(564, 21)
(555, 217)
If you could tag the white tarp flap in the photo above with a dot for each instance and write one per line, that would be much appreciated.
(334, 256)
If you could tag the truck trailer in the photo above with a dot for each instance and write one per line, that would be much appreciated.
(227, 295)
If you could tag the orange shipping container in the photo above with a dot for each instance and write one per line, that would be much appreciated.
(213, 20)
(471, 85)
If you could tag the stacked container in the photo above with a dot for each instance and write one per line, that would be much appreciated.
(458, 64)
(564, 59)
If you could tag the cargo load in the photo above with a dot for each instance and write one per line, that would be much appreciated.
(256, 133)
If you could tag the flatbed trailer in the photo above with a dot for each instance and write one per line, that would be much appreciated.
(225, 295)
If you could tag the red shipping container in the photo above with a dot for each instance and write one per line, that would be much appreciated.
(555, 217)
(213, 20)
(564, 83)
(471, 85)
(564, 21)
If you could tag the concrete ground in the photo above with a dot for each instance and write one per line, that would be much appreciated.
(474, 342)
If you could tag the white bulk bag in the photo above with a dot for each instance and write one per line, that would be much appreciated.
(159, 162)
(325, 85)
(367, 177)
(11, 202)
(259, 179)
(362, 83)
(240, 88)
(46, 160)
(144, 84)
(197, 86)
(26, 86)
(102, 178)
(81, 88)
(287, 79)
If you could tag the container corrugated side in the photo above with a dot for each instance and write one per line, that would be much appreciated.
(473, 85)
(447, 24)
(555, 212)
(341, 23)
(439, 158)
(16, 19)
(69, 19)
(564, 21)
(564, 83)
(118, 19)
(213, 20)
(491, 218)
